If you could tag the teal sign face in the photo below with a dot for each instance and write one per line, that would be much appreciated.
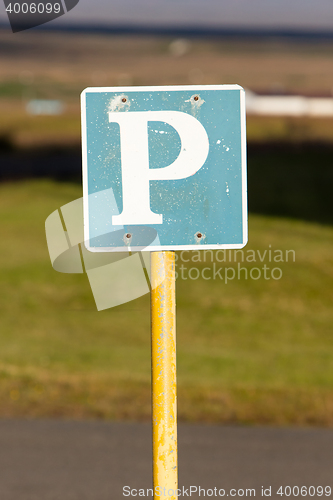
(164, 168)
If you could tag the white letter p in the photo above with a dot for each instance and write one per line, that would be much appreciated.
(136, 173)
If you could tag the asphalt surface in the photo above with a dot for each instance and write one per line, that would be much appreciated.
(60, 460)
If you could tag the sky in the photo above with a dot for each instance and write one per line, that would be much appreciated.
(301, 14)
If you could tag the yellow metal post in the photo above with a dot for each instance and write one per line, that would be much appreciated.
(164, 383)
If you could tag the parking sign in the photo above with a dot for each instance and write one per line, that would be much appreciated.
(164, 168)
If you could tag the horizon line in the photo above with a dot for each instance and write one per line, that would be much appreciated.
(192, 31)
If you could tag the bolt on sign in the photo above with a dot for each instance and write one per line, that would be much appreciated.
(164, 168)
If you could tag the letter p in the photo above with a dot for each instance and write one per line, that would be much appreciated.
(136, 173)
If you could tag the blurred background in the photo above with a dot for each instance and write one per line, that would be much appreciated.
(250, 351)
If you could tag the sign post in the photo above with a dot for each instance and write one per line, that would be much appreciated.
(164, 383)
(164, 169)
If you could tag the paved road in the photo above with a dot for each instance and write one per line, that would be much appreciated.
(52, 460)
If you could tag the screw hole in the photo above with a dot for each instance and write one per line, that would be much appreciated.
(124, 99)
(199, 235)
(196, 98)
(128, 236)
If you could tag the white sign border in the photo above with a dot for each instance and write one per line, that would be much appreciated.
(161, 248)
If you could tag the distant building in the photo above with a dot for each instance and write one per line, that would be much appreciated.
(288, 105)
(44, 107)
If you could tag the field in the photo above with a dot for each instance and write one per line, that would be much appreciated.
(249, 351)
(60, 65)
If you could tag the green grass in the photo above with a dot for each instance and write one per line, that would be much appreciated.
(43, 89)
(285, 128)
(24, 129)
(248, 351)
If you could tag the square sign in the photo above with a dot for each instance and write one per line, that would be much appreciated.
(164, 168)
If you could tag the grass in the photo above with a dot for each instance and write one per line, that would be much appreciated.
(253, 352)
(22, 129)
(83, 60)
(107, 60)
(292, 129)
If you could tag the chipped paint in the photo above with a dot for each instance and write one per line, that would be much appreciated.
(127, 239)
(196, 103)
(164, 389)
(118, 103)
(199, 237)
